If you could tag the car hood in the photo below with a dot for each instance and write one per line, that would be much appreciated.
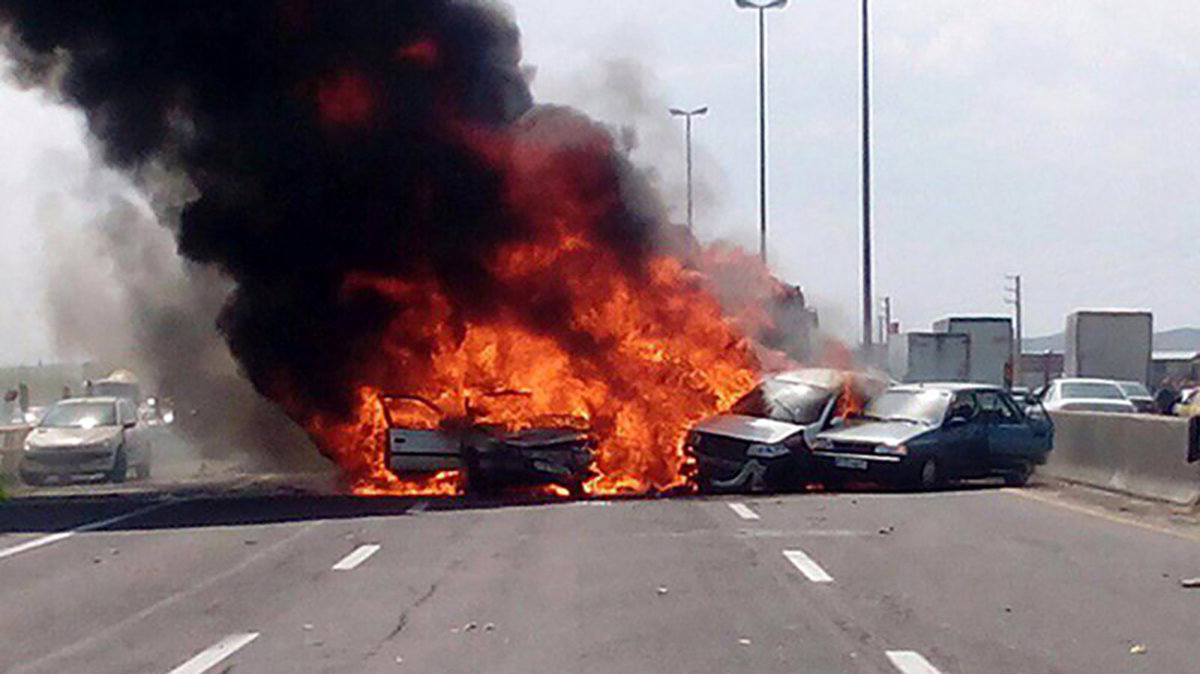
(875, 432)
(71, 437)
(540, 437)
(752, 429)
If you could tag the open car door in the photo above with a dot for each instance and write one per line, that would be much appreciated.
(415, 442)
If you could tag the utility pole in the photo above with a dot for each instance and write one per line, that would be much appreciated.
(866, 175)
(687, 115)
(1013, 297)
(886, 336)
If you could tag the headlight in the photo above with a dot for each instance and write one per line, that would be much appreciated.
(898, 450)
(822, 444)
(767, 451)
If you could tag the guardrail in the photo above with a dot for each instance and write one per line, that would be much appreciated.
(12, 441)
(1143, 455)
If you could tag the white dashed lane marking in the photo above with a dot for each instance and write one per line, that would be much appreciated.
(211, 657)
(807, 566)
(351, 561)
(743, 511)
(64, 535)
(911, 662)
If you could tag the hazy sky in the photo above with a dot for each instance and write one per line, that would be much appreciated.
(1058, 140)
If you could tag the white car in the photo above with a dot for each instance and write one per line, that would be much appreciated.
(86, 436)
(1086, 395)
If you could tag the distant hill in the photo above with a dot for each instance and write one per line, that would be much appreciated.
(1180, 339)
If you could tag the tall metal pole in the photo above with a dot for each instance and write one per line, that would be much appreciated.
(867, 291)
(1019, 310)
(762, 134)
(689, 173)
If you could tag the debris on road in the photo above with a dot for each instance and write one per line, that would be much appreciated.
(1190, 582)
(744, 641)
(470, 627)
(887, 530)
(662, 589)
(1138, 649)
(490, 627)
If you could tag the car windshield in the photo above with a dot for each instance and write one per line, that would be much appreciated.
(80, 415)
(1091, 390)
(788, 402)
(1134, 389)
(925, 407)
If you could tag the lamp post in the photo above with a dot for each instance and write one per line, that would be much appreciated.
(867, 288)
(687, 116)
(762, 7)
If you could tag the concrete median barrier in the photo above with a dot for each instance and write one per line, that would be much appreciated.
(1137, 454)
(12, 440)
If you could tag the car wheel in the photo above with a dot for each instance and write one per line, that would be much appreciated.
(120, 467)
(930, 475)
(32, 479)
(1020, 476)
(142, 471)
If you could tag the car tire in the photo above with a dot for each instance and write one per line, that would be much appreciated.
(142, 471)
(32, 479)
(929, 475)
(120, 468)
(1019, 477)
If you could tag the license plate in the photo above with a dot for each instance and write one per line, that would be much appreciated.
(853, 464)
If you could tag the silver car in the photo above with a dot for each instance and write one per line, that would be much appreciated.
(87, 436)
(1086, 395)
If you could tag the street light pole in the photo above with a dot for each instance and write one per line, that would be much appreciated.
(867, 289)
(762, 114)
(687, 115)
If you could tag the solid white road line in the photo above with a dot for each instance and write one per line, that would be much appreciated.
(911, 662)
(743, 511)
(352, 560)
(64, 535)
(209, 658)
(807, 566)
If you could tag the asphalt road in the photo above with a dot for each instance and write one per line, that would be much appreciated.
(982, 580)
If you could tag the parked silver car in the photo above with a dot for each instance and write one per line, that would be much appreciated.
(1085, 395)
(87, 436)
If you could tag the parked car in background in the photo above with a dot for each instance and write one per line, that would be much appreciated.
(762, 441)
(926, 434)
(423, 439)
(1085, 395)
(87, 436)
(1137, 393)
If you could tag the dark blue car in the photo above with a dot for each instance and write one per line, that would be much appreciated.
(925, 434)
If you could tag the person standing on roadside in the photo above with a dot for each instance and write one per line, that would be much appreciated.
(1166, 397)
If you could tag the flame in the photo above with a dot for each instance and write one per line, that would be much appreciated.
(850, 402)
(636, 349)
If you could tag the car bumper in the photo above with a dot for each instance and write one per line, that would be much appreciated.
(533, 466)
(752, 474)
(843, 466)
(67, 461)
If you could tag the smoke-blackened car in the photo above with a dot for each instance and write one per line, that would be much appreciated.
(763, 441)
(491, 442)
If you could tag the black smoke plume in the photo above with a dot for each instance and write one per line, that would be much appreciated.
(316, 134)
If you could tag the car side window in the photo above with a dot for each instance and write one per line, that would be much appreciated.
(965, 406)
(993, 407)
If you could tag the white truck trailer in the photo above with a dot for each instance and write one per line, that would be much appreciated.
(1110, 344)
(991, 346)
(917, 357)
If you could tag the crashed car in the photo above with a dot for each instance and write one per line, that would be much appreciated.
(423, 439)
(924, 435)
(762, 442)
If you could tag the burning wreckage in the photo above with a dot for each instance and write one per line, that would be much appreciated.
(397, 215)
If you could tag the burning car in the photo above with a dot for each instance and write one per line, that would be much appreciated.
(763, 441)
(493, 450)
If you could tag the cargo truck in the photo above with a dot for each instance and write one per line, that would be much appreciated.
(918, 357)
(1110, 344)
(991, 346)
